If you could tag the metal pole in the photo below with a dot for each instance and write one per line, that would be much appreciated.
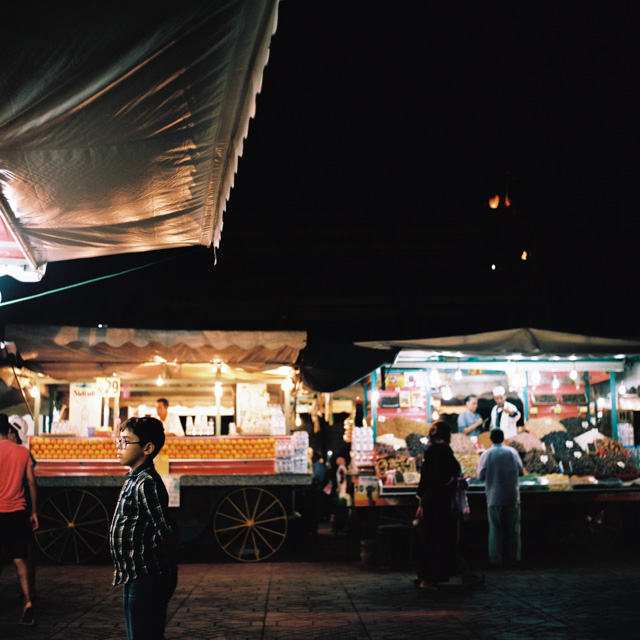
(428, 398)
(526, 396)
(614, 406)
(374, 405)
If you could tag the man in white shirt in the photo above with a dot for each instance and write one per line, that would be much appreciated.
(504, 415)
(170, 421)
(500, 467)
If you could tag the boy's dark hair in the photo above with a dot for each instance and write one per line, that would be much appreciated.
(163, 401)
(147, 429)
(4, 425)
(473, 395)
(497, 436)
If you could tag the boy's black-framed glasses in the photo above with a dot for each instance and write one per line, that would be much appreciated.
(121, 443)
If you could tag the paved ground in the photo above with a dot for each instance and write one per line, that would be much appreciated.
(336, 596)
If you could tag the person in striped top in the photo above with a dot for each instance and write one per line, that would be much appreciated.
(143, 534)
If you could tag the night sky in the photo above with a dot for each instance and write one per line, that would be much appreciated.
(360, 209)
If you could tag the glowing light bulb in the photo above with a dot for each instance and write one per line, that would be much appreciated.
(556, 383)
(458, 375)
(160, 381)
(536, 378)
(622, 389)
(435, 415)
(573, 374)
(446, 393)
(217, 390)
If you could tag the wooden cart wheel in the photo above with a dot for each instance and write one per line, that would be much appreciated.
(74, 526)
(250, 524)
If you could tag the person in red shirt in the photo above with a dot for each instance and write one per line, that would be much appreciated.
(15, 521)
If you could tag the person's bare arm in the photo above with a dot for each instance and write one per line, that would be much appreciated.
(33, 492)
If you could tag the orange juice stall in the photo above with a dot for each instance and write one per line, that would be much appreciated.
(232, 466)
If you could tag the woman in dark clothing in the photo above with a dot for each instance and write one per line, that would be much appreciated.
(438, 478)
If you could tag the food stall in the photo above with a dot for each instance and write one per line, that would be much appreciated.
(583, 481)
(234, 475)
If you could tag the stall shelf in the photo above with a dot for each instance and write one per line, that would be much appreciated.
(515, 355)
(239, 489)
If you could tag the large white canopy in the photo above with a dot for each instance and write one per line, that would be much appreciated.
(121, 124)
(82, 354)
(536, 347)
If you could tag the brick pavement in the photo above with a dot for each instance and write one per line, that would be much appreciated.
(590, 599)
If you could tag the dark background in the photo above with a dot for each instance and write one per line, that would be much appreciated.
(360, 208)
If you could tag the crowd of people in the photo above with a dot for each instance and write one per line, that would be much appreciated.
(143, 535)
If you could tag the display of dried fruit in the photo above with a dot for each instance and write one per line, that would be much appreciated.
(469, 464)
(416, 443)
(615, 465)
(540, 462)
(542, 426)
(608, 446)
(574, 398)
(579, 465)
(383, 449)
(560, 441)
(576, 426)
(525, 441)
(544, 398)
(402, 427)
(462, 444)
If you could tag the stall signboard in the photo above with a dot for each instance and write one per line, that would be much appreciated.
(251, 400)
(109, 387)
(85, 405)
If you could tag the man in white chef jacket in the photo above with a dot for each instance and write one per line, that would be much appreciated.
(170, 421)
(504, 415)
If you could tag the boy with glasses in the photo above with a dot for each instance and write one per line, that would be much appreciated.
(142, 533)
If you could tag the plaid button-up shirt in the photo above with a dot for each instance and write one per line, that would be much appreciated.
(140, 519)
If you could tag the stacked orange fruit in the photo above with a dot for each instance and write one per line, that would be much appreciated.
(220, 448)
(52, 448)
(73, 448)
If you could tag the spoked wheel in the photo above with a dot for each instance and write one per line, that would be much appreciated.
(74, 526)
(592, 531)
(250, 524)
(400, 514)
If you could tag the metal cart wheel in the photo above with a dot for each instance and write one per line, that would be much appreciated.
(401, 514)
(250, 524)
(74, 526)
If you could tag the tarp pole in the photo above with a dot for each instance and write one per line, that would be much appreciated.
(526, 396)
(587, 393)
(614, 406)
(428, 398)
(374, 405)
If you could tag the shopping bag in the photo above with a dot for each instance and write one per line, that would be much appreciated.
(459, 501)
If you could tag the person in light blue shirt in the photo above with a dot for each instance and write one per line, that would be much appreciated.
(470, 421)
(499, 467)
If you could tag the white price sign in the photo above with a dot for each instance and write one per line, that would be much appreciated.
(109, 387)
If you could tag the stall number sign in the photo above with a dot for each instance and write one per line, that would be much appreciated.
(109, 387)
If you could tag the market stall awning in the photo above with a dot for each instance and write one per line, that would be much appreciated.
(82, 354)
(536, 347)
(121, 124)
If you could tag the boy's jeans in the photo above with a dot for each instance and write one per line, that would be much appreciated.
(145, 603)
